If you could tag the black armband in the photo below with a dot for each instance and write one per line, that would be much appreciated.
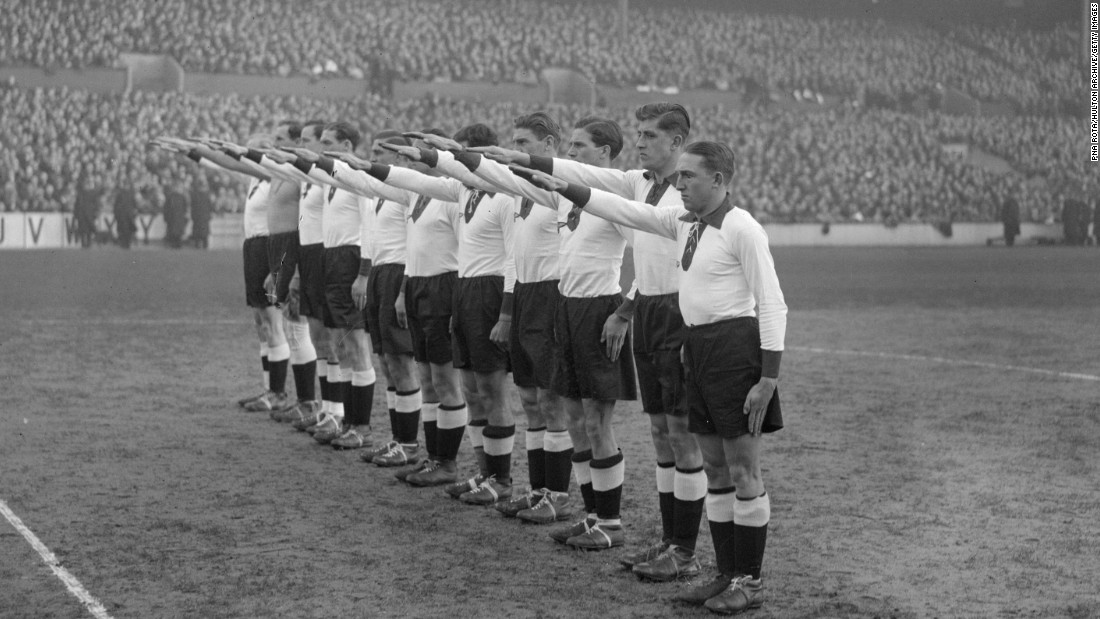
(303, 165)
(769, 360)
(327, 164)
(468, 159)
(364, 266)
(193, 155)
(542, 164)
(254, 155)
(577, 194)
(429, 157)
(380, 171)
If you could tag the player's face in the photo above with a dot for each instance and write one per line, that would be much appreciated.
(656, 147)
(310, 140)
(383, 156)
(282, 136)
(331, 142)
(525, 141)
(583, 149)
(699, 187)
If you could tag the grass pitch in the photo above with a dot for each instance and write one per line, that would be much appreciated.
(939, 458)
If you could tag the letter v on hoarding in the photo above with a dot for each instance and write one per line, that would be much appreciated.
(35, 232)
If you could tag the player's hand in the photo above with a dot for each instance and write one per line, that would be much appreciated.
(539, 179)
(503, 155)
(225, 147)
(350, 159)
(304, 154)
(502, 333)
(410, 152)
(437, 142)
(177, 144)
(614, 335)
(402, 313)
(359, 291)
(278, 156)
(756, 403)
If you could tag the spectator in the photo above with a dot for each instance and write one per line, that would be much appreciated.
(202, 207)
(177, 202)
(125, 211)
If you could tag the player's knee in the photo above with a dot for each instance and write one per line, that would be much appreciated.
(594, 427)
(659, 431)
(743, 474)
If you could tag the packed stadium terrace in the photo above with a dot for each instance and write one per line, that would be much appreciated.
(892, 63)
(846, 164)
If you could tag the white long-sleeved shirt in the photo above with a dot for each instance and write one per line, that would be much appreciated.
(590, 249)
(732, 273)
(255, 209)
(341, 219)
(655, 257)
(382, 232)
(431, 240)
(485, 230)
(535, 250)
(311, 198)
(311, 208)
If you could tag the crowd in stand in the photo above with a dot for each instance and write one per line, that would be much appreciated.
(846, 164)
(887, 63)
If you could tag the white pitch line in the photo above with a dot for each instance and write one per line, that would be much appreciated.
(980, 364)
(51, 560)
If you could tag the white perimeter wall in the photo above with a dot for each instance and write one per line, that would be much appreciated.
(58, 230)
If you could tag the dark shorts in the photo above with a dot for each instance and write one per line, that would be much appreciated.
(311, 276)
(341, 269)
(384, 286)
(256, 270)
(282, 259)
(428, 306)
(658, 337)
(722, 363)
(476, 311)
(584, 371)
(533, 351)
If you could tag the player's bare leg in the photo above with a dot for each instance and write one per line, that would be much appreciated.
(498, 440)
(450, 425)
(262, 336)
(607, 470)
(278, 356)
(359, 398)
(682, 489)
(405, 400)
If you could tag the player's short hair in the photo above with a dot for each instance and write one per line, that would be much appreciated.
(345, 131)
(435, 131)
(604, 132)
(671, 117)
(717, 157)
(477, 134)
(315, 126)
(293, 128)
(390, 136)
(541, 124)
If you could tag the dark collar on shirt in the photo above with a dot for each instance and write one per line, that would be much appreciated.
(491, 194)
(714, 218)
(650, 175)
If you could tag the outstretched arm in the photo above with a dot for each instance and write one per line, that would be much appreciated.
(613, 208)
